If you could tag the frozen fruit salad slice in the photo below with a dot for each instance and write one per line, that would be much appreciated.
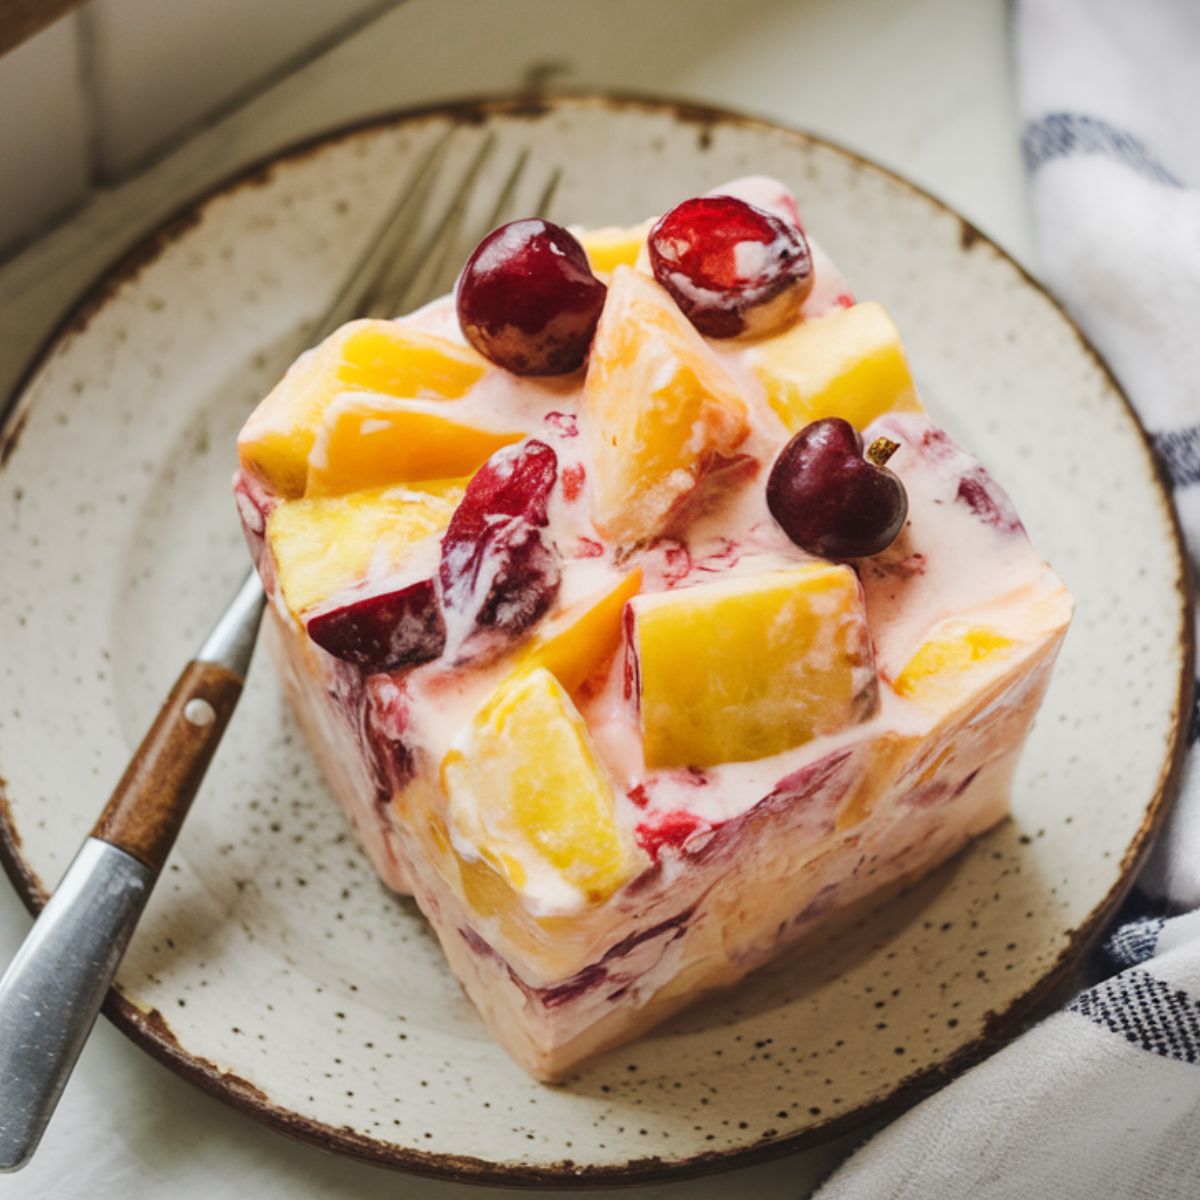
(599, 707)
(751, 665)
(659, 410)
(528, 794)
(381, 357)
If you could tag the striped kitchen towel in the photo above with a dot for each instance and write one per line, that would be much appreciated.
(1100, 1101)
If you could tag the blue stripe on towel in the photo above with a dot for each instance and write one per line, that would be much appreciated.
(1058, 135)
(1145, 1012)
(1134, 942)
(1179, 452)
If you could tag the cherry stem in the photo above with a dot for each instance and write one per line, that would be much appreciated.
(881, 449)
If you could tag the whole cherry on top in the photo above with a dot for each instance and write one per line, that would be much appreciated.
(832, 501)
(527, 299)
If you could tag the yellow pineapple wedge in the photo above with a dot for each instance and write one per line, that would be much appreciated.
(322, 546)
(659, 409)
(752, 665)
(380, 357)
(850, 364)
(526, 789)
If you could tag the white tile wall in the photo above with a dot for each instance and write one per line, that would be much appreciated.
(43, 132)
(159, 66)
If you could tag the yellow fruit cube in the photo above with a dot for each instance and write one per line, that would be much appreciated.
(850, 364)
(613, 245)
(581, 640)
(526, 790)
(659, 409)
(367, 441)
(936, 668)
(324, 545)
(364, 356)
(752, 665)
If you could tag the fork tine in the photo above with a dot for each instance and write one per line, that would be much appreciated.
(507, 191)
(542, 208)
(363, 274)
(441, 277)
(399, 292)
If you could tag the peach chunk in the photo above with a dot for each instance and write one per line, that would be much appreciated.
(849, 364)
(528, 794)
(368, 441)
(934, 673)
(322, 546)
(612, 246)
(751, 665)
(659, 409)
(580, 640)
(380, 357)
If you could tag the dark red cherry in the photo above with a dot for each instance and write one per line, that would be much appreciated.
(498, 570)
(528, 300)
(832, 501)
(398, 628)
(732, 268)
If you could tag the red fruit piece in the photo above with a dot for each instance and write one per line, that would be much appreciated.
(565, 424)
(387, 632)
(385, 723)
(572, 482)
(832, 501)
(668, 829)
(732, 268)
(528, 300)
(978, 491)
(498, 570)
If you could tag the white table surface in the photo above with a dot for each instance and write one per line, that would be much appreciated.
(923, 86)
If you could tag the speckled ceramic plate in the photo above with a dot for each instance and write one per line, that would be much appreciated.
(271, 968)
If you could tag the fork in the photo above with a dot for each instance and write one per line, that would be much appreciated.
(54, 987)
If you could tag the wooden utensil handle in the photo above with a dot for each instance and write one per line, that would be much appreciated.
(144, 813)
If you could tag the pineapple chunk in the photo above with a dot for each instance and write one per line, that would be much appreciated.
(324, 545)
(849, 364)
(367, 441)
(580, 641)
(526, 790)
(364, 356)
(752, 665)
(613, 245)
(659, 409)
(935, 670)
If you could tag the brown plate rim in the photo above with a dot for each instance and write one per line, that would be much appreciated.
(150, 1030)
